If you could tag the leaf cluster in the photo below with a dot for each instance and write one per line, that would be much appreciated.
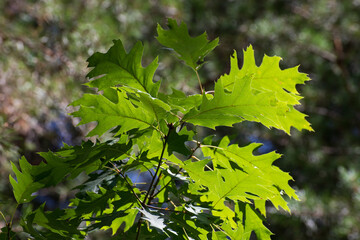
(199, 189)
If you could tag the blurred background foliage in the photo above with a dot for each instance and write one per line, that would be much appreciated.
(44, 45)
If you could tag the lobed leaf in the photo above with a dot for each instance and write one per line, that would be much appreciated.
(112, 113)
(249, 99)
(221, 196)
(239, 176)
(180, 102)
(249, 222)
(192, 50)
(116, 67)
(53, 226)
(267, 77)
(24, 185)
(67, 161)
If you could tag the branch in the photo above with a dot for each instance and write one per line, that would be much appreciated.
(153, 179)
(138, 228)
(167, 184)
(165, 209)
(130, 186)
(191, 156)
(152, 185)
(147, 169)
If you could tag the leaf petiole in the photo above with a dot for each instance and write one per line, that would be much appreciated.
(198, 77)
(3, 217)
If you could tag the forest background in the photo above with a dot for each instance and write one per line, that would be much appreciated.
(44, 45)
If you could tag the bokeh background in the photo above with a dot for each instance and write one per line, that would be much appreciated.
(44, 45)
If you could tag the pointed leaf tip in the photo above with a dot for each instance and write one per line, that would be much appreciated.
(117, 67)
(192, 50)
(264, 94)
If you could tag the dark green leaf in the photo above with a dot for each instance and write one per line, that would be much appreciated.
(7, 234)
(55, 227)
(24, 185)
(176, 141)
(191, 50)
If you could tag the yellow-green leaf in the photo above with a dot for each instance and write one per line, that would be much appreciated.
(240, 96)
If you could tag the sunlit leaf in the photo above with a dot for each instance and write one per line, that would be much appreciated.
(247, 100)
(191, 50)
(109, 114)
(188, 188)
(116, 67)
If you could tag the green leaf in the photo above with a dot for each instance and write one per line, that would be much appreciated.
(105, 178)
(67, 161)
(116, 67)
(89, 156)
(200, 191)
(191, 50)
(191, 224)
(254, 223)
(246, 102)
(24, 185)
(249, 221)
(112, 220)
(109, 114)
(125, 204)
(161, 110)
(267, 77)
(54, 226)
(177, 140)
(218, 235)
(93, 202)
(180, 102)
(7, 234)
(120, 213)
(240, 175)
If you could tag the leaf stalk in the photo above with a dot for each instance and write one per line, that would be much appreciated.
(198, 77)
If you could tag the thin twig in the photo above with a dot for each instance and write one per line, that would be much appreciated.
(152, 185)
(193, 157)
(130, 186)
(152, 180)
(172, 203)
(192, 153)
(3, 217)
(8, 225)
(180, 169)
(220, 229)
(164, 209)
(138, 228)
(154, 195)
(211, 146)
(148, 170)
(185, 233)
(12, 217)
